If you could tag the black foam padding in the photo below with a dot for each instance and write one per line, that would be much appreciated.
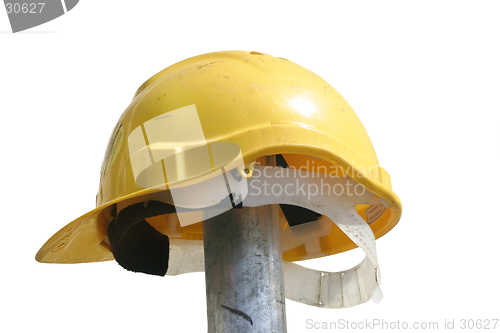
(135, 244)
(280, 161)
(295, 215)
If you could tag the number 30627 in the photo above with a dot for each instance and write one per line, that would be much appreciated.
(25, 8)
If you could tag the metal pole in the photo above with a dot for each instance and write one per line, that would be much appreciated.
(243, 270)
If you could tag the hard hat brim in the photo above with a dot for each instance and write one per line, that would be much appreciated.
(82, 240)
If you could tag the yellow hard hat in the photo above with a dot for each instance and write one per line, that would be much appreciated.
(264, 105)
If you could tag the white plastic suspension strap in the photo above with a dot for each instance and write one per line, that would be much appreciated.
(335, 198)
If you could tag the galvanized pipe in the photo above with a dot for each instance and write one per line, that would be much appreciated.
(243, 271)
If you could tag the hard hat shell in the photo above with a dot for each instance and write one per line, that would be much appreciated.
(263, 104)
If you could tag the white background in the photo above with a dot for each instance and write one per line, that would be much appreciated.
(423, 77)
